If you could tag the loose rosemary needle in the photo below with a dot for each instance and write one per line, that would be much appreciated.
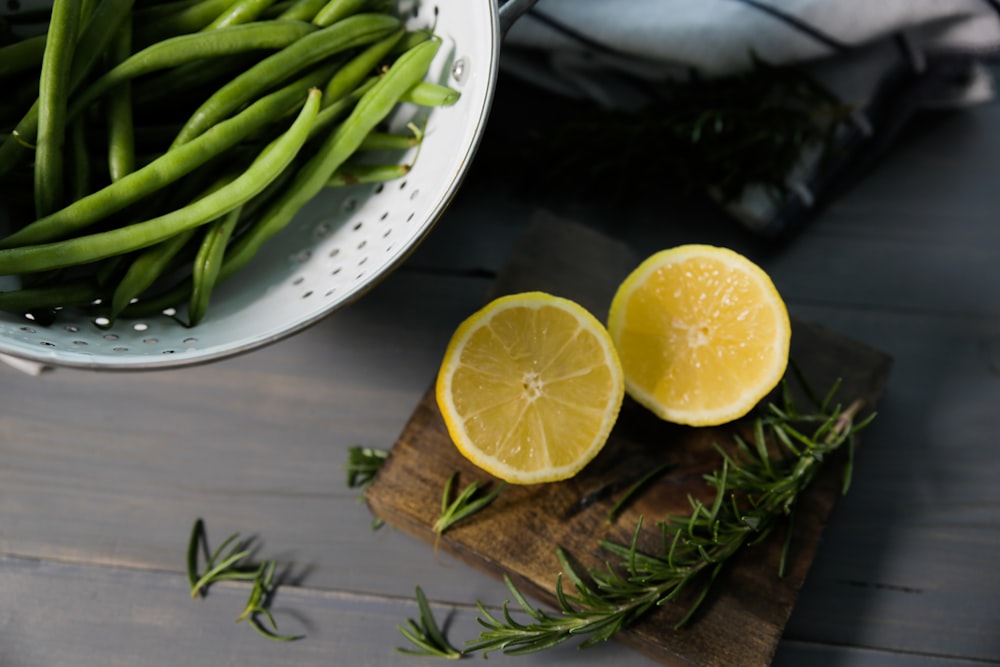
(363, 463)
(464, 505)
(425, 634)
(231, 562)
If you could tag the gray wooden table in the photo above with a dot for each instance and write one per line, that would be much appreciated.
(102, 475)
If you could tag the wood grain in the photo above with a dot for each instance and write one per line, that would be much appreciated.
(518, 536)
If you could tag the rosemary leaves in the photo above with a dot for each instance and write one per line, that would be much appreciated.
(425, 634)
(231, 562)
(362, 465)
(465, 504)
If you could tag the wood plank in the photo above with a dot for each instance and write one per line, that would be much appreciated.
(90, 616)
(796, 654)
(520, 533)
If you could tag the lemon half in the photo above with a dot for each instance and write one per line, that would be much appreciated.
(530, 387)
(702, 333)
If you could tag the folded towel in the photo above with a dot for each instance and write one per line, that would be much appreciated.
(881, 60)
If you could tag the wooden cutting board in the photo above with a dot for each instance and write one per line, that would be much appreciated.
(518, 534)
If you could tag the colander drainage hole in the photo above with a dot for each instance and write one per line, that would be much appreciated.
(140, 326)
(28, 330)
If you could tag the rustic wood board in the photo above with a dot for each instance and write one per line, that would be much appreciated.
(745, 616)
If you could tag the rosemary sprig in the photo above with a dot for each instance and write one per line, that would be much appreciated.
(362, 465)
(218, 567)
(257, 605)
(234, 565)
(755, 490)
(464, 505)
(426, 635)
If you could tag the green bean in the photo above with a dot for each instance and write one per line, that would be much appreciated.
(372, 109)
(53, 90)
(121, 130)
(302, 10)
(357, 174)
(160, 172)
(335, 112)
(208, 262)
(86, 10)
(95, 37)
(181, 78)
(80, 181)
(145, 269)
(50, 296)
(359, 67)
(242, 11)
(156, 12)
(184, 21)
(411, 39)
(336, 10)
(84, 249)
(190, 48)
(179, 82)
(151, 263)
(349, 33)
(22, 56)
(386, 141)
(428, 94)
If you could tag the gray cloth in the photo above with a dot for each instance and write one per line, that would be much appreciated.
(884, 58)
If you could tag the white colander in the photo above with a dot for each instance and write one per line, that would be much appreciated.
(337, 248)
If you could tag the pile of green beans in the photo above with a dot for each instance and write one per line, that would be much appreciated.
(150, 148)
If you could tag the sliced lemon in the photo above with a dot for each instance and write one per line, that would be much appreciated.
(702, 334)
(530, 387)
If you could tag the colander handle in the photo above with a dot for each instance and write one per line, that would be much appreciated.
(511, 11)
